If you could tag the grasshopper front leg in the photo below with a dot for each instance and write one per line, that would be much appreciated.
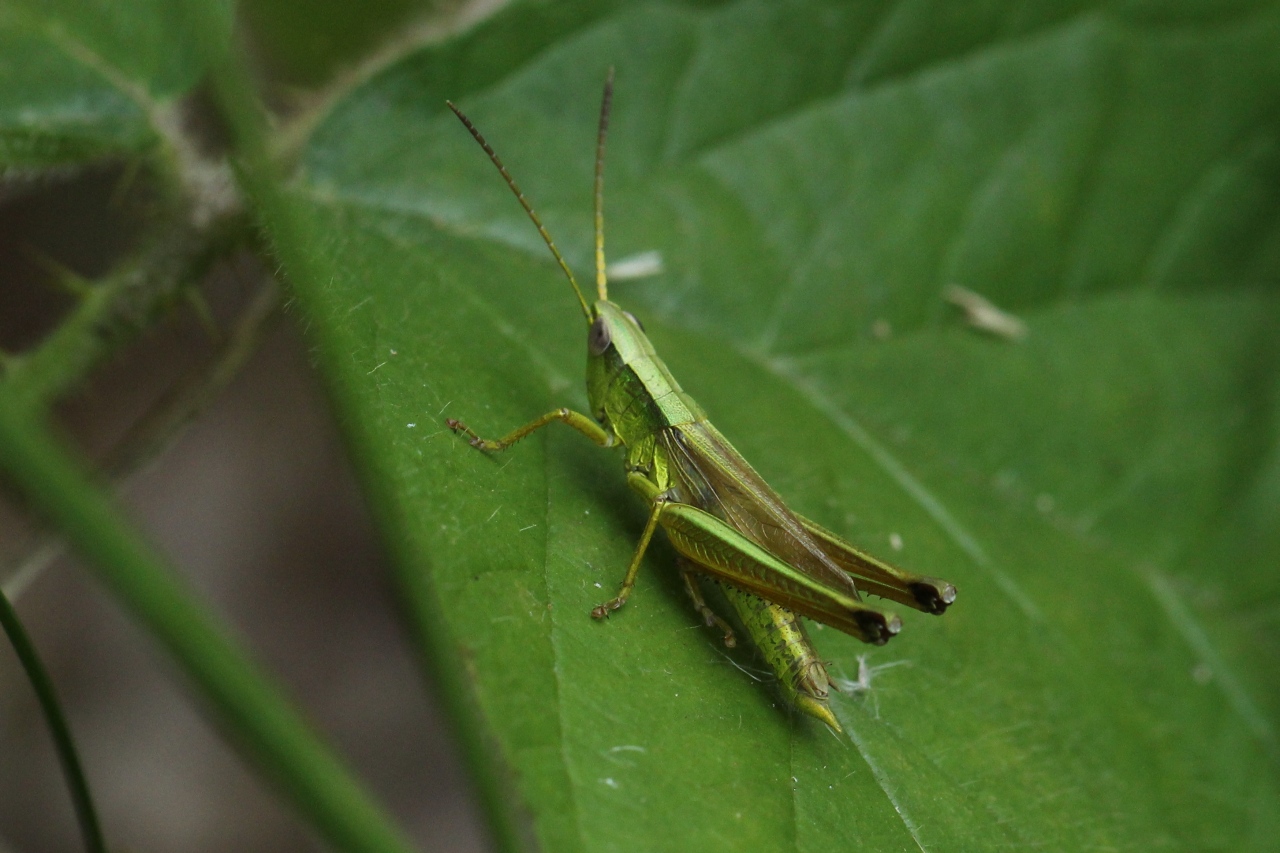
(569, 417)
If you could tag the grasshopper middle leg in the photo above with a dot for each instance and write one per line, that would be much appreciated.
(624, 592)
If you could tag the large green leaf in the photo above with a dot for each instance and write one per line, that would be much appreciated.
(79, 81)
(1106, 495)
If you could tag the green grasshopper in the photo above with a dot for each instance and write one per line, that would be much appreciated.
(723, 519)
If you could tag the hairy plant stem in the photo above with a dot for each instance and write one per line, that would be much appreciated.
(118, 309)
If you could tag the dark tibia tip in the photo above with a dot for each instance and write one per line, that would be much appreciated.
(878, 628)
(934, 596)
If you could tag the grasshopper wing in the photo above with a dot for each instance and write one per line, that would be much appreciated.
(715, 548)
(721, 482)
(877, 577)
(714, 477)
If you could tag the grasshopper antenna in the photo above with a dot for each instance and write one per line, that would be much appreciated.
(602, 284)
(528, 208)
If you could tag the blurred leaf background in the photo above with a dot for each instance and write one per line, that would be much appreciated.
(1105, 493)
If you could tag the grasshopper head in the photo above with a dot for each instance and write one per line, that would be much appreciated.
(615, 339)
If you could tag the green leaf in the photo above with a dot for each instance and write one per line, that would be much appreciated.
(308, 42)
(1106, 494)
(79, 81)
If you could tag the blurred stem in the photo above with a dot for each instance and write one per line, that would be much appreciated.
(437, 25)
(117, 309)
(192, 394)
(86, 815)
(286, 224)
(164, 421)
(245, 701)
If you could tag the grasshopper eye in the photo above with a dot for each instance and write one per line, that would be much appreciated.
(632, 318)
(599, 338)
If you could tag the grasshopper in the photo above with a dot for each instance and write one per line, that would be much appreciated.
(723, 519)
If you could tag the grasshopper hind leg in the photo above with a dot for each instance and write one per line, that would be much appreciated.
(700, 604)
